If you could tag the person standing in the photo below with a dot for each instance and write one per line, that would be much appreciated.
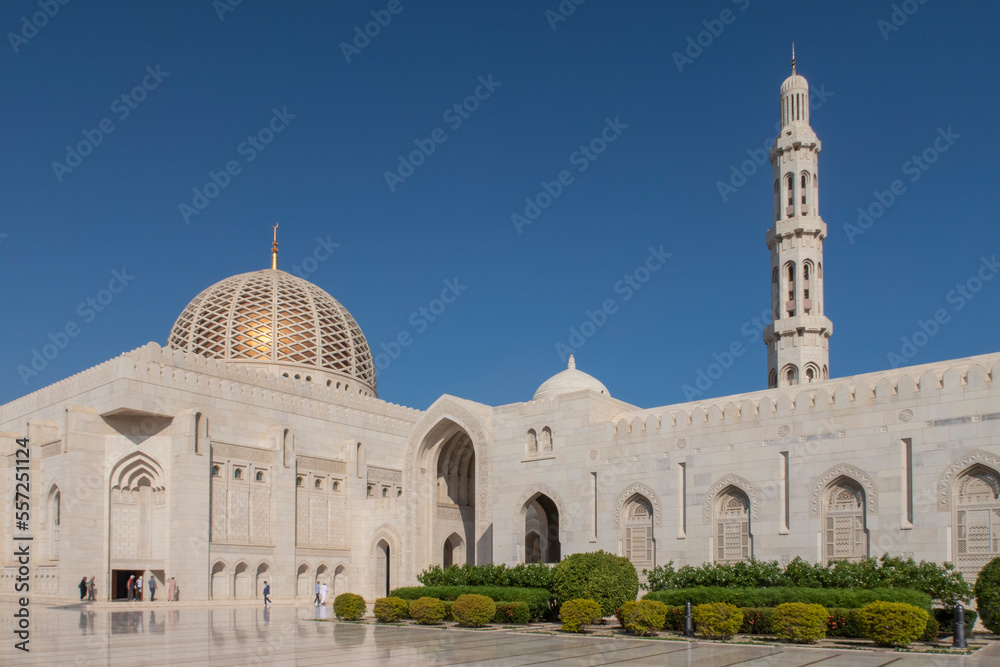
(322, 594)
(267, 593)
(138, 588)
(131, 587)
(92, 591)
(171, 587)
(316, 601)
(152, 588)
(83, 588)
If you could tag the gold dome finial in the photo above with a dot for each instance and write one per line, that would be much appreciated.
(274, 249)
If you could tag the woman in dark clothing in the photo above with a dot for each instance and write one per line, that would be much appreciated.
(83, 588)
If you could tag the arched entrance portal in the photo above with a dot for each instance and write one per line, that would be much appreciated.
(541, 530)
(137, 517)
(456, 495)
(383, 568)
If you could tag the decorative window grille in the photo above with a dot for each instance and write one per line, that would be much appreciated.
(732, 527)
(977, 520)
(844, 521)
(638, 534)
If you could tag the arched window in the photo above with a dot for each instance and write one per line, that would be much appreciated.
(546, 440)
(318, 483)
(298, 481)
(385, 492)
(215, 471)
(826, 373)
(803, 188)
(789, 191)
(777, 201)
(774, 276)
(810, 374)
(844, 521)
(371, 491)
(335, 485)
(791, 374)
(790, 289)
(772, 379)
(732, 526)
(637, 534)
(237, 473)
(531, 442)
(260, 476)
(976, 519)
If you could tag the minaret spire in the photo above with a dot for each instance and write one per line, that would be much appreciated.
(798, 336)
(274, 249)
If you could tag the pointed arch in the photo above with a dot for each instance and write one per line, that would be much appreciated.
(539, 513)
(946, 483)
(733, 535)
(849, 471)
(708, 505)
(976, 518)
(642, 490)
(845, 521)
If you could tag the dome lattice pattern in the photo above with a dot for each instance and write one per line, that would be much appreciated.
(236, 320)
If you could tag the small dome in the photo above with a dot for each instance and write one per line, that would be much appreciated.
(274, 320)
(794, 82)
(568, 381)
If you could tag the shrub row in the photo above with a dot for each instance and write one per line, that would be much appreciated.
(772, 597)
(942, 582)
(534, 575)
(537, 599)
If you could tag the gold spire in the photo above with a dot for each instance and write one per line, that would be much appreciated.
(793, 57)
(274, 249)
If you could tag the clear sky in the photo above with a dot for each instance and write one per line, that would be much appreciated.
(309, 114)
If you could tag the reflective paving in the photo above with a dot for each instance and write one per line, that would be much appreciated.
(289, 635)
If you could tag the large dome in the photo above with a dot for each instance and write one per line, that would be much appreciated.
(568, 381)
(272, 319)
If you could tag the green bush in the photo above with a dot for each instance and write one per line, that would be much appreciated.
(390, 610)
(772, 597)
(518, 613)
(608, 580)
(537, 599)
(427, 611)
(717, 620)
(577, 614)
(674, 619)
(757, 621)
(892, 623)
(800, 622)
(473, 611)
(946, 620)
(942, 582)
(349, 606)
(447, 609)
(988, 595)
(533, 575)
(644, 617)
(931, 631)
(844, 623)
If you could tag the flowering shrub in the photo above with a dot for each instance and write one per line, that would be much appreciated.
(799, 622)
(578, 614)
(757, 621)
(512, 612)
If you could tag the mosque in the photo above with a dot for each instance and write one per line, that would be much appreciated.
(253, 445)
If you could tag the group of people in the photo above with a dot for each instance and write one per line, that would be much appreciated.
(88, 589)
(321, 591)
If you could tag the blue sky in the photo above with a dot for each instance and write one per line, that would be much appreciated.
(201, 78)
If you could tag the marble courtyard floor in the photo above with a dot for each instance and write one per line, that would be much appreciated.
(163, 634)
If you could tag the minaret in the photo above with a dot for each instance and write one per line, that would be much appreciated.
(799, 334)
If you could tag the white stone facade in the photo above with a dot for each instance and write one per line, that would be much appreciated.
(223, 472)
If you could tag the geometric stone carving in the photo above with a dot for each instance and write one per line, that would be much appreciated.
(844, 470)
(221, 451)
(384, 476)
(310, 463)
(643, 490)
(947, 479)
(739, 483)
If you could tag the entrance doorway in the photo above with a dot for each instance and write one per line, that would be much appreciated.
(119, 583)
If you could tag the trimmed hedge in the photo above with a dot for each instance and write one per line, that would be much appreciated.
(578, 614)
(605, 578)
(644, 617)
(537, 599)
(390, 610)
(892, 623)
(799, 622)
(772, 597)
(518, 613)
(473, 610)
(427, 611)
(943, 583)
(533, 575)
(349, 607)
(717, 620)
